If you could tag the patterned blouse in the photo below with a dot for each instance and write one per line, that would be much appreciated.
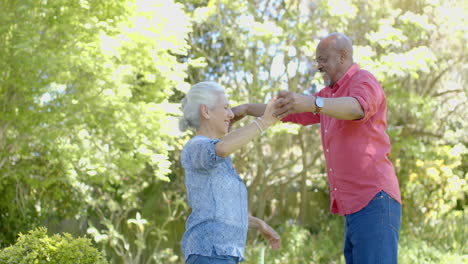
(218, 198)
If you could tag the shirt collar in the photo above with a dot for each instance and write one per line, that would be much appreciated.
(349, 73)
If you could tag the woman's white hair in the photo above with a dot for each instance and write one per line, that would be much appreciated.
(201, 93)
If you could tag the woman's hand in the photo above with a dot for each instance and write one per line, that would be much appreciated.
(268, 118)
(270, 234)
(267, 232)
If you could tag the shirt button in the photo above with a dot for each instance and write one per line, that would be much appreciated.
(326, 131)
(328, 151)
(335, 189)
(333, 94)
(331, 169)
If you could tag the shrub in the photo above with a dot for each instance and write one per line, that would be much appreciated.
(37, 247)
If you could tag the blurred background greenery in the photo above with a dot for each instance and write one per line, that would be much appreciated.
(89, 94)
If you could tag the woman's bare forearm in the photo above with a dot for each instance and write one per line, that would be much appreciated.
(254, 222)
(238, 138)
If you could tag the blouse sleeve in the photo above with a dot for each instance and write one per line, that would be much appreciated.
(202, 154)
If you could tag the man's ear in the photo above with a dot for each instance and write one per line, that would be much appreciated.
(204, 111)
(343, 55)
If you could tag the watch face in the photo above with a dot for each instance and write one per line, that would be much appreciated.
(319, 102)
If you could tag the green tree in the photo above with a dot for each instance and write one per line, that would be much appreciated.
(85, 128)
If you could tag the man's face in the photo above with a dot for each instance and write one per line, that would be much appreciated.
(328, 63)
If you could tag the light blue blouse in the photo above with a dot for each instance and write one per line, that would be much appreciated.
(218, 198)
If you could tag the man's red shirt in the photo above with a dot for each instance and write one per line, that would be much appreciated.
(356, 151)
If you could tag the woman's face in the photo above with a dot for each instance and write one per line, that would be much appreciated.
(221, 115)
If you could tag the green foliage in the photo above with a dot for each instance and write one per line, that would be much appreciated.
(299, 245)
(85, 124)
(441, 243)
(37, 247)
(325, 247)
(419, 251)
(89, 92)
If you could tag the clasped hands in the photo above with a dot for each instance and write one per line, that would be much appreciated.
(289, 103)
(286, 103)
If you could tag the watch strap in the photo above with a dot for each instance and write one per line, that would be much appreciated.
(317, 108)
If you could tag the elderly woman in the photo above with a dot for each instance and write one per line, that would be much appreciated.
(216, 230)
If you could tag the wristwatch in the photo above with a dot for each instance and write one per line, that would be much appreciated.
(319, 103)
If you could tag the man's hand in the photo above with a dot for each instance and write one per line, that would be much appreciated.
(290, 103)
(285, 104)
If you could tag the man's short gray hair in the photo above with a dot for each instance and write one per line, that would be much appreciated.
(201, 93)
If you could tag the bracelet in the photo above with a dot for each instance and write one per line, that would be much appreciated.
(259, 127)
(262, 122)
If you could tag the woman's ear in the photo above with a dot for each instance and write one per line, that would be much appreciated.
(204, 111)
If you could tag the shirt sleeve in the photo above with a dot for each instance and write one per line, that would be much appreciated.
(304, 119)
(368, 92)
(203, 154)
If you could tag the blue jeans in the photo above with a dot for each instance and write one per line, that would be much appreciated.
(213, 259)
(371, 234)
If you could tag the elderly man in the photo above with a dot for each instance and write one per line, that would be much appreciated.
(351, 110)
